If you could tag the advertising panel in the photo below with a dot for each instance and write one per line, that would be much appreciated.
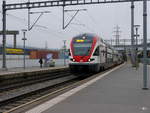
(14, 51)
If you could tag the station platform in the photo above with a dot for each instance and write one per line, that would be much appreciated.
(117, 91)
(20, 70)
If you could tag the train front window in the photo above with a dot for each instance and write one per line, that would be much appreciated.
(82, 49)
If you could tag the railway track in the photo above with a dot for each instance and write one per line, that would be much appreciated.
(14, 82)
(32, 80)
(58, 85)
(21, 92)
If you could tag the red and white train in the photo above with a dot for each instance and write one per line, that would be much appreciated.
(90, 52)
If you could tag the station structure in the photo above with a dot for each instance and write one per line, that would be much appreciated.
(14, 34)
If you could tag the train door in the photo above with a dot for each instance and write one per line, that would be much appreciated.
(102, 54)
(96, 54)
(106, 56)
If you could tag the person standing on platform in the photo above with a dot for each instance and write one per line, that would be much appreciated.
(41, 62)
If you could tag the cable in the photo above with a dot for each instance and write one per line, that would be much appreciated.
(80, 22)
(25, 21)
(61, 19)
(91, 17)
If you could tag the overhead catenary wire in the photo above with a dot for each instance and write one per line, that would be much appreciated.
(24, 21)
(77, 30)
(92, 19)
(80, 22)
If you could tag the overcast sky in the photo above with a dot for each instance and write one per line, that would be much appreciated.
(100, 19)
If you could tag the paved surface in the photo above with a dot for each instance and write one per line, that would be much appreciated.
(119, 92)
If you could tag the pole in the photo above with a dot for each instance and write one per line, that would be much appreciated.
(117, 35)
(64, 52)
(132, 34)
(24, 62)
(24, 53)
(29, 16)
(63, 23)
(136, 30)
(136, 37)
(4, 36)
(125, 55)
(145, 45)
(63, 26)
(15, 41)
(24, 39)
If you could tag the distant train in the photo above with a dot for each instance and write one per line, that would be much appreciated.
(90, 52)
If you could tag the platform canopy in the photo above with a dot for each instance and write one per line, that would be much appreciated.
(10, 32)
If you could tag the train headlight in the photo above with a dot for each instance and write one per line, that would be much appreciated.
(72, 59)
(91, 59)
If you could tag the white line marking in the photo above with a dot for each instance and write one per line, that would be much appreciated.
(43, 107)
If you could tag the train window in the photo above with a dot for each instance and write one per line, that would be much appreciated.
(82, 49)
(96, 53)
(103, 52)
(148, 54)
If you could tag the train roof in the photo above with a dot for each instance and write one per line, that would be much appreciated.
(88, 35)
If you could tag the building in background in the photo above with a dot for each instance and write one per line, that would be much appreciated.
(31, 53)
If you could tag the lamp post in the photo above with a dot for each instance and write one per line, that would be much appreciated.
(136, 34)
(64, 52)
(136, 42)
(24, 39)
